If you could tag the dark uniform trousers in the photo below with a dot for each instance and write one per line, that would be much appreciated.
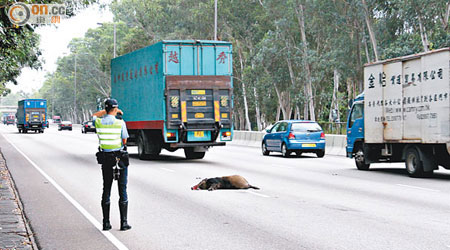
(108, 179)
(107, 172)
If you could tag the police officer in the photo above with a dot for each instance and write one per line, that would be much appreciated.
(112, 134)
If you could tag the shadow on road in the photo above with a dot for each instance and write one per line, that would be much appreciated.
(171, 159)
(293, 156)
(17, 132)
(402, 171)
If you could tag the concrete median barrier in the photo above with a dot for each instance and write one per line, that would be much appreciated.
(334, 144)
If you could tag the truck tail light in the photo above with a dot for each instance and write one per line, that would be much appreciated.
(171, 136)
(226, 134)
(322, 136)
(27, 117)
(291, 136)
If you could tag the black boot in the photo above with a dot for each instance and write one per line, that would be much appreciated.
(106, 223)
(123, 208)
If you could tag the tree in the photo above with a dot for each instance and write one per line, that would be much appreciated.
(19, 45)
(299, 59)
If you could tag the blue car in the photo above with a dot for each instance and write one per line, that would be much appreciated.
(297, 136)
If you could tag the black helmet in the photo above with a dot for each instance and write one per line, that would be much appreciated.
(111, 103)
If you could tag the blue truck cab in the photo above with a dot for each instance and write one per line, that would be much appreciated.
(32, 115)
(355, 125)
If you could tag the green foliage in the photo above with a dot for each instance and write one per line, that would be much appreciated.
(91, 55)
(268, 51)
(19, 46)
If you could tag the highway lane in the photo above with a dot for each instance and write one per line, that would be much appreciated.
(304, 202)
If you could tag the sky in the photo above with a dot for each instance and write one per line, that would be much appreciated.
(53, 44)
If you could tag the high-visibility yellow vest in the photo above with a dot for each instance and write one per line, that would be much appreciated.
(109, 136)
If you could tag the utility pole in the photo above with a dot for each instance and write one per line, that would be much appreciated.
(215, 20)
(114, 53)
(75, 92)
(53, 98)
(114, 40)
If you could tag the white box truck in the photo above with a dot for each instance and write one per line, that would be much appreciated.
(404, 113)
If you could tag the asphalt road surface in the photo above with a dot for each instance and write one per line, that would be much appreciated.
(304, 202)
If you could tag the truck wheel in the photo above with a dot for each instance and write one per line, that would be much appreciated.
(284, 151)
(360, 159)
(190, 154)
(142, 149)
(413, 163)
(320, 153)
(145, 150)
(264, 149)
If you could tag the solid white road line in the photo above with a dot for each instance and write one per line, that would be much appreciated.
(168, 170)
(258, 194)
(420, 188)
(77, 205)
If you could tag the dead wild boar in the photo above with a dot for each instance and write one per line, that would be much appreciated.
(225, 182)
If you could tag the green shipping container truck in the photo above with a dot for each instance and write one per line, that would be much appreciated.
(176, 94)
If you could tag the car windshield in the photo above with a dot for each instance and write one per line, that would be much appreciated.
(305, 127)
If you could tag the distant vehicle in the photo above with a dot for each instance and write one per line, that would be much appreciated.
(32, 115)
(87, 127)
(56, 119)
(176, 94)
(10, 119)
(297, 136)
(65, 125)
(4, 115)
(403, 114)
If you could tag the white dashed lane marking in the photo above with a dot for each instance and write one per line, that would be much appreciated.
(258, 194)
(420, 188)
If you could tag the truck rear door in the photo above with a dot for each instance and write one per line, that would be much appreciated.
(200, 104)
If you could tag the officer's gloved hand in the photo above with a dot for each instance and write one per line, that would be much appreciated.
(125, 148)
(119, 116)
